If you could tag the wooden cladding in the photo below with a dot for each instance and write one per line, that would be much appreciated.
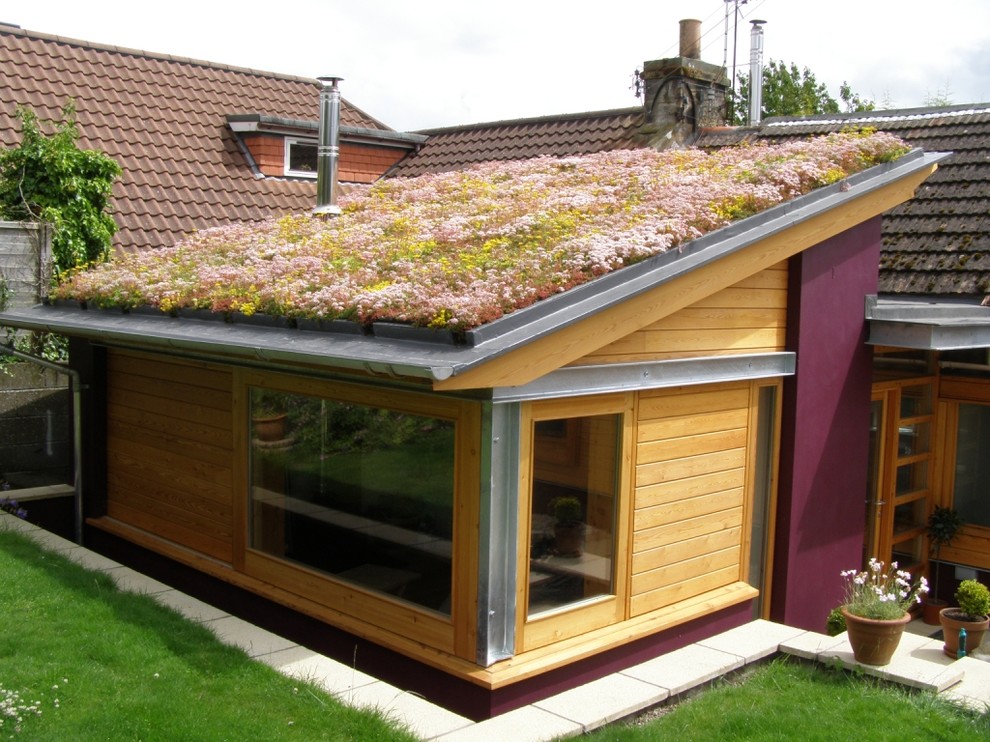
(170, 450)
(748, 317)
(689, 525)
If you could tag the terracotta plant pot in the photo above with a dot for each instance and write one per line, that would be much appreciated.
(874, 641)
(930, 610)
(271, 428)
(952, 621)
(569, 539)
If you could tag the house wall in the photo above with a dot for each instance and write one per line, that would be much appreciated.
(691, 459)
(825, 425)
(359, 163)
(748, 317)
(170, 451)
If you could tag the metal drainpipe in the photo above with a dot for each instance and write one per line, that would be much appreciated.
(328, 151)
(76, 427)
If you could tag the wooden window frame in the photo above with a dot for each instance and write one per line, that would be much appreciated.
(356, 609)
(595, 613)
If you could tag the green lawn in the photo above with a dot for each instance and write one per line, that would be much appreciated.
(788, 699)
(85, 661)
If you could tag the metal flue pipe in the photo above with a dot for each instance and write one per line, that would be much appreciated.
(328, 150)
(756, 73)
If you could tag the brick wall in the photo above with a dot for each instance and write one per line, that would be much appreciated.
(359, 163)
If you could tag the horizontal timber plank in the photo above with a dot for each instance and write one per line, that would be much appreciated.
(127, 488)
(173, 442)
(964, 389)
(669, 449)
(684, 509)
(214, 546)
(164, 513)
(653, 538)
(691, 466)
(172, 464)
(154, 367)
(186, 430)
(656, 429)
(153, 472)
(688, 549)
(660, 405)
(174, 390)
(170, 408)
(679, 489)
(667, 596)
(686, 571)
(722, 318)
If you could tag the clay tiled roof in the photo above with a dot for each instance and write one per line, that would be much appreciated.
(162, 118)
(938, 243)
(570, 134)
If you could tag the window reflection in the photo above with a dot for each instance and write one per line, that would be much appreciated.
(361, 493)
(574, 499)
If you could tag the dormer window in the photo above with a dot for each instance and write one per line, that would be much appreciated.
(300, 158)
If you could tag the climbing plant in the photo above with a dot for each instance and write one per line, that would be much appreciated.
(48, 178)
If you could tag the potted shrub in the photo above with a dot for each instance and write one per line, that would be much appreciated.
(568, 526)
(876, 609)
(973, 614)
(943, 525)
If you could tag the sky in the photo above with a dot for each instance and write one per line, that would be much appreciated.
(435, 63)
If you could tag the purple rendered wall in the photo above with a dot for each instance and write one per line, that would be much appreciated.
(825, 426)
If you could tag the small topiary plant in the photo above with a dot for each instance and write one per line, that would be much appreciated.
(835, 624)
(974, 599)
(566, 510)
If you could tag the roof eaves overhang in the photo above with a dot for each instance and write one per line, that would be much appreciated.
(442, 363)
(262, 123)
(922, 325)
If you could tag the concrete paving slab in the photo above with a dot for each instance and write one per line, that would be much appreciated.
(91, 560)
(135, 582)
(50, 541)
(305, 664)
(421, 717)
(685, 668)
(974, 689)
(753, 641)
(919, 662)
(526, 724)
(188, 606)
(252, 639)
(811, 645)
(603, 701)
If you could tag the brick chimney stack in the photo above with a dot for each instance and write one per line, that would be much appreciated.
(683, 94)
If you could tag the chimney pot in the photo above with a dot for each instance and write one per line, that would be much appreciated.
(690, 38)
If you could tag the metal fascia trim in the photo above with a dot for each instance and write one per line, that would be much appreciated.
(621, 377)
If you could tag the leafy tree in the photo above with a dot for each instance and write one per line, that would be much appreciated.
(49, 178)
(788, 91)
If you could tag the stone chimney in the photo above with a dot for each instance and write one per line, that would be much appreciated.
(682, 94)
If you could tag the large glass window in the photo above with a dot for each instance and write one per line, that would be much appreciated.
(362, 493)
(971, 494)
(573, 519)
